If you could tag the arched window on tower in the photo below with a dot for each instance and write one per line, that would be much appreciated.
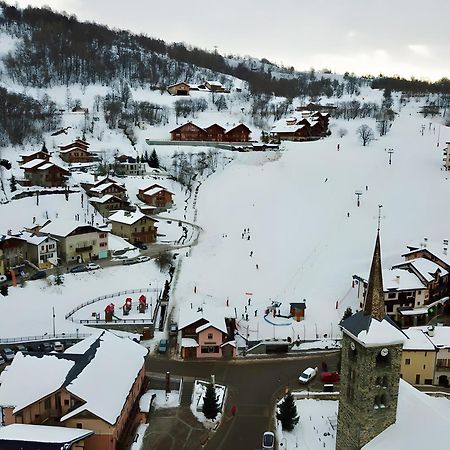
(385, 382)
(378, 381)
(383, 402)
(376, 402)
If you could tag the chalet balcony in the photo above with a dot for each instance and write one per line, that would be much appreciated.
(87, 248)
(442, 367)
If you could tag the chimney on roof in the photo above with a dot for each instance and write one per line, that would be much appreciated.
(430, 331)
(397, 279)
(445, 251)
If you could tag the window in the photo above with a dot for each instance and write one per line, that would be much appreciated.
(79, 425)
(392, 295)
(210, 335)
(385, 381)
(102, 244)
(378, 381)
(407, 361)
(424, 367)
(47, 403)
(66, 402)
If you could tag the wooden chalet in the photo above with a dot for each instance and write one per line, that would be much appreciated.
(214, 86)
(181, 88)
(36, 155)
(239, 133)
(290, 133)
(39, 172)
(108, 189)
(76, 143)
(189, 132)
(215, 133)
(156, 195)
(107, 204)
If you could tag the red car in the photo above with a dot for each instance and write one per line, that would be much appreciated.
(329, 377)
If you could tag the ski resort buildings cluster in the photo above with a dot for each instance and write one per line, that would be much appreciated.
(213, 133)
(183, 88)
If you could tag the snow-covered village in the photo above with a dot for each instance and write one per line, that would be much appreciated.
(201, 249)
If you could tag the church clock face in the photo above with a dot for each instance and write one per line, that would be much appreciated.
(352, 346)
(384, 351)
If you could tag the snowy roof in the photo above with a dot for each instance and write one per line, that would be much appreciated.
(75, 147)
(46, 166)
(417, 340)
(219, 325)
(34, 239)
(425, 267)
(155, 190)
(106, 399)
(188, 343)
(102, 187)
(63, 227)
(431, 247)
(410, 431)
(441, 335)
(232, 343)
(42, 433)
(49, 374)
(128, 217)
(372, 332)
(215, 83)
(286, 128)
(32, 163)
(103, 199)
(214, 315)
(401, 280)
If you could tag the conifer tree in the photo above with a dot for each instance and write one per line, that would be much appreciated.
(287, 413)
(347, 313)
(210, 405)
(153, 160)
(59, 279)
(13, 183)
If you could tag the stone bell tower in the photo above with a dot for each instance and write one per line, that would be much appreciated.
(370, 367)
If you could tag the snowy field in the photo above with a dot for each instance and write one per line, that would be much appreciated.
(303, 242)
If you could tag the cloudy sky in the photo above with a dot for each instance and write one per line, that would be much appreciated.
(404, 37)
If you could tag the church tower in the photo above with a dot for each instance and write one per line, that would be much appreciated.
(370, 367)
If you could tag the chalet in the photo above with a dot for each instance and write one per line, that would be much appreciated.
(136, 227)
(189, 132)
(107, 204)
(239, 133)
(108, 188)
(76, 155)
(205, 333)
(290, 132)
(41, 172)
(181, 88)
(215, 86)
(78, 242)
(13, 251)
(215, 133)
(42, 251)
(84, 389)
(80, 143)
(130, 168)
(402, 289)
(156, 195)
(36, 155)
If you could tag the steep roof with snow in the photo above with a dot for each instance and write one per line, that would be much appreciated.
(417, 340)
(32, 164)
(42, 434)
(63, 227)
(439, 336)
(128, 217)
(75, 370)
(410, 431)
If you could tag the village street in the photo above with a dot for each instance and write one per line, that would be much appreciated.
(253, 386)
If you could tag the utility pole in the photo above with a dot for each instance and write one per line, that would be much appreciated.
(54, 333)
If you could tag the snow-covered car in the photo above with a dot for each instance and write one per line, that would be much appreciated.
(307, 375)
(3, 278)
(38, 275)
(21, 348)
(141, 245)
(92, 266)
(329, 377)
(8, 354)
(143, 259)
(129, 261)
(268, 441)
(2, 361)
(58, 346)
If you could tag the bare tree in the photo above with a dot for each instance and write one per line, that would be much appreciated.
(365, 133)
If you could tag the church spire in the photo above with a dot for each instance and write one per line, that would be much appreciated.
(374, 304)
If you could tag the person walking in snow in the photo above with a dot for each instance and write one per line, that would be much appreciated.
(251, 253)
(326, 179)
(257, 267)
(348, 214)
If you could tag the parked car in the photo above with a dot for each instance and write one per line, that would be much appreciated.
(92, 266)
(173, 329)
(58, 346)
(130, 261)
(45, 347)
(329, 377)
(38, 275)
(21, 348)
(141, 245)
(143, 259)
(79, 268)
(2, 361)
(8, 354)
(307, 375)
(268, 441)
(162, 347)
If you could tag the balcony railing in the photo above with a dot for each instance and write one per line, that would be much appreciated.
(88, 248)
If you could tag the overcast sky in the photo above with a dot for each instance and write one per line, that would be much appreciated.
(405, 37)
